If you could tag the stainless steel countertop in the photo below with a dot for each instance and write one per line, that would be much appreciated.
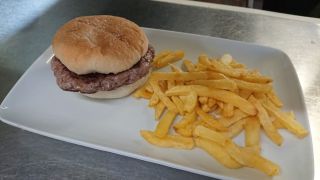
(27, 27)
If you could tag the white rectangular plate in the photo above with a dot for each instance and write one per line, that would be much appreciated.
(37, 104)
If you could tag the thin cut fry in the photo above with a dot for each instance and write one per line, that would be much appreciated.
(164, 125)
(174, 141)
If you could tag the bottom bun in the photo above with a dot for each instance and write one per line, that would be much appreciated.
(120, 91)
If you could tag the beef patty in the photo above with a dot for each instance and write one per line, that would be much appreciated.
(94, 82)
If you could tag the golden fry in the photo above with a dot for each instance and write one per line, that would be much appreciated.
(292, 125)
(171, 84)
(189, 65)
(226, 84)
(238, 115)
(203, 99)
(245, 93)
(277, 124)
(266, 122)
(186, 76)
(169, 141)
(217, 152)
(275, 99)
(235, 129)
(142, 93)
(205, 108)
(228, 110)
(250, 86)
(211, 102)
(148, 88)
(209, 120)
(209, 134)
(160, 56)
(187, 119)
(165, 123)
(178, 102)
(187, 131)
(159, 108)
(235, 64)
(170, 58)
(221, 95)
(203, 59)
(166, 101)
(153, 100)
(252, 132)
(250, 159)
(191, 101)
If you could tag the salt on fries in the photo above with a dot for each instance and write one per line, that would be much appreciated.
(218, 98)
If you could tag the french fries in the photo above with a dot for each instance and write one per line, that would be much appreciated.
(252, 133)
(191, 101)
(217, 152)
(186, 76)
(164, 124)
(189, 65)
(208, 119)
(221, 95)
(266, 122)
(226, 84)
(166, 58)
(168, 141)
(166, 101)
(218, 99)
(287, 121)
(159, 108)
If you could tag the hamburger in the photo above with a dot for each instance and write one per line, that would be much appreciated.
(101, 56)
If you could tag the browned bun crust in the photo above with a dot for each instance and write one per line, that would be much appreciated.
(103, 44)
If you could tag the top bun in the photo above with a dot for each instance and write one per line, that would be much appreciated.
(103, 44)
